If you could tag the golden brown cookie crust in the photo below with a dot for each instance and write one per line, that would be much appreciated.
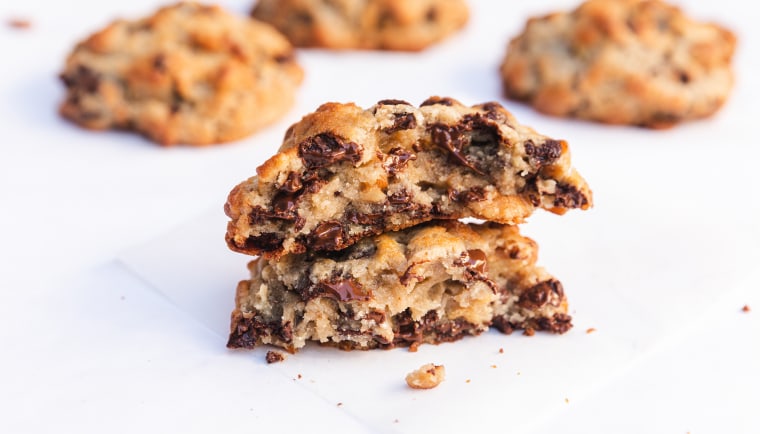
(364, 24)
(637, 62)
(189, 74)
(344, 173)
(432, 283)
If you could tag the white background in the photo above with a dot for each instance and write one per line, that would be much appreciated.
(116, 283)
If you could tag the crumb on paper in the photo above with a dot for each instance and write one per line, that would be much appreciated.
(467, 381)
(746, 308)
(299, 376)
(567, 401)
(274, 357)
(529, 332)
(413, 347)
(395, 420)
(590, 330)
(519, 373)
(19, 23)
(501, 350)
(426, 377)
(340, 404)
(493, 366)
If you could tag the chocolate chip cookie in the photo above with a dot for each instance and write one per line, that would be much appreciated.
(189, 74)
(432, 283)
(365, 24)
(344, 173)
(638, 62)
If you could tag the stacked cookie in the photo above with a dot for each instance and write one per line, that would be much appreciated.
(355, 224)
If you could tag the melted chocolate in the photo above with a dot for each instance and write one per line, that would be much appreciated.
(328, 235)
(546, 153)
(346, 290)
(397, 159)
(392, 102)
(477, 261)
(326, 149)
(402, 121)
(452, 140)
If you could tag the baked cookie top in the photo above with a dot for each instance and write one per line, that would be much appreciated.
(365, 24)
(189, 74)
(344, 173)
(432, 283)
(638, 62)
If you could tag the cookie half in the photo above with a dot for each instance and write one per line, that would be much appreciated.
(433, 283)
(364, 24)
(637, 62)
(344, 173)
(189, 74)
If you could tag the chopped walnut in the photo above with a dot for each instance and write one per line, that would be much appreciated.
(426, 377)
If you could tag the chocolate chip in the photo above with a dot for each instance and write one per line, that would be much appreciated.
(559, 323)
(452, 140)
(392, 102)
(568, 196)
(84, 78)
(346, 290)
(402, 121)
(329, 235)
(247, 331)
(284, 205)
(475, 194)
(326, 149)
(159, 63)
(433, 100)
(546, 153)
(397, 159)
(549, 291)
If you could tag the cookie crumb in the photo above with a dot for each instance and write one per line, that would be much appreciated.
(746, 308)
(567, 401)
(413, 347)
(426, 377)
(529, 331)
(395, 420)
(19, 23)
(590, 330)
(467, 381)
(493, 366)
(340, 404)
(274, 357)
(501, 350)
(299, 376)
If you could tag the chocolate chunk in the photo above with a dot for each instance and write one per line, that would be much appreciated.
(433, 100)
(274, 357)
(402, 121)
(477, 261)
(392, 102)
(377, 316)
(284, 205)
(399, 199)
(397, 159)
(329, 235)
(568, 196)
(546, 153)
(247, 331)
(451, 139)
(559, 323)
(326, 149)
(266, 242)
(475, 194)
(345, 290)
(373, 220)
(503, 325)
(549, 291)
(292, 184)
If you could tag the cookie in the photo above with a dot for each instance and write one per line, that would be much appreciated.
(364, 24)
(637, 62)
(344, 173)
(432, 283)
(188, 74)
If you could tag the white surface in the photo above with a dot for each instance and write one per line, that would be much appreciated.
(661, 266)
